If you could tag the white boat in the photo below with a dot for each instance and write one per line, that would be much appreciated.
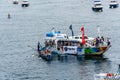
(113, 4)
(107, 76)
(25, 3)
(15, 1)
(53, 35)
(79, 37)
(97, 6)
(62, 44)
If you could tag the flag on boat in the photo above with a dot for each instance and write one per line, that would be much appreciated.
(83, 37)
(82, 30)
(70, 27)
(71, 30)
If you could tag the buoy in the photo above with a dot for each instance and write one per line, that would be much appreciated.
(9, 16)
(33, 55)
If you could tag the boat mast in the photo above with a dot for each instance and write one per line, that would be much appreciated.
(83, 37)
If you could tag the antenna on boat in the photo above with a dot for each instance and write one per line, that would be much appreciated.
(83, 37)
(99, 31)
(53, 29)
(71, 30)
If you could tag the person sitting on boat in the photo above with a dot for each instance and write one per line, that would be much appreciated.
(108, 41)
(78, 44)
(47, 51)
(102, 40)
(46, 43)
(39, 46)
(53, 42)
(94, 42)
(97, 42)
(49, 43)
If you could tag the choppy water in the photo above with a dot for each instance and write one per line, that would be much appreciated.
(28, 25)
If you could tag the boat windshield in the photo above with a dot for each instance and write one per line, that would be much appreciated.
(80, 37)
(61, 43)
(84, 37)
(97, 1)
(97, 4)
(112, 1)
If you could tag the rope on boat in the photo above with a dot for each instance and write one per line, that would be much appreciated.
(32, 47)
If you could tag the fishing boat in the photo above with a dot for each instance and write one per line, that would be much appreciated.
(113, 4)
(44, 52)
(97, 6)
(76, 45)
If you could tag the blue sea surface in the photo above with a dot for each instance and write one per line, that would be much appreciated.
(19, 36)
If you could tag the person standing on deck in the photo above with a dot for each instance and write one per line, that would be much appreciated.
(108, 41)
(97, 42)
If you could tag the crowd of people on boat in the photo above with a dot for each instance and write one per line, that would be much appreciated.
(99, 41)
(43, 50)
(69, 43)
(47, 51)
(49, 43)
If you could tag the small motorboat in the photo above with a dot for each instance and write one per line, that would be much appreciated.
(108, 76)
(113, 4)
(25, 3)
(97, 6)
(44, 52)
(15, 1)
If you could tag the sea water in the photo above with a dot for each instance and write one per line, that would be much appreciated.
(20, 34)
